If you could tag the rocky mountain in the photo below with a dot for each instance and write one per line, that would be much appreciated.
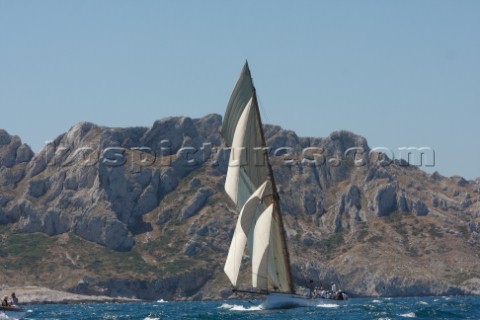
(141, 212)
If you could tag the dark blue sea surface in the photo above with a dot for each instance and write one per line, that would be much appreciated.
(355, 309)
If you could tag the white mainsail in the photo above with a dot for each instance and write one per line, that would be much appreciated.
(242, 230)
(236, 185)
(250, 184)
(261, 241)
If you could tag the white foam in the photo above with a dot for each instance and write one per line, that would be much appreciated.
(408, 315)
(148, 318)
(235, 307)
(4, 316)
(377, 301)
(162, 301)
(423, 302)
(327, 305)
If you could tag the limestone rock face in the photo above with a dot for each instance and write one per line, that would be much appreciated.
(196, 203)
(125, 172)
(37, 188)
(12, 151)
(420, 208)
(403, 203)
(386, 200)
(105, 230)
(14, 157)
(10, 178)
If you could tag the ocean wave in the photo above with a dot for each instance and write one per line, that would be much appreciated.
(235, 307)
(328, 305)
(408, 315)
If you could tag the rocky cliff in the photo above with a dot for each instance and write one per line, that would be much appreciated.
(141, 212)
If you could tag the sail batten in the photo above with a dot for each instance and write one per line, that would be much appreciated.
(260, 223)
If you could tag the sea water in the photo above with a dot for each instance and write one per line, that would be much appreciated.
(355, 309)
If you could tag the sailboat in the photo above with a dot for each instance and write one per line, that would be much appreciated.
(251, 186)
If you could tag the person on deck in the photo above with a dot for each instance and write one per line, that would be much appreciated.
(5, 302)
(308, 293)
(339, 296)
(334, 287)
(14, 299)
(323, 294)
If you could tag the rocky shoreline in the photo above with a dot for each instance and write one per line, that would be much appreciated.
(28, 295)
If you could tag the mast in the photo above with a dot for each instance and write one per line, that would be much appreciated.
(277, 214)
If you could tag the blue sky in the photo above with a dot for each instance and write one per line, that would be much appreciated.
(400, 73)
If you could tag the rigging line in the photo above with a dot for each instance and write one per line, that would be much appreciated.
(264, 112)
